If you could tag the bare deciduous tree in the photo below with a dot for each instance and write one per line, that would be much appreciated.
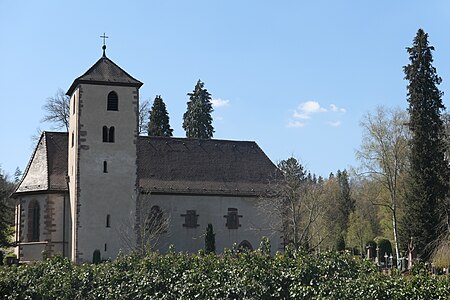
(295, 203)
(57, 109)
(141, 233)
(384, 157)
(144, 113)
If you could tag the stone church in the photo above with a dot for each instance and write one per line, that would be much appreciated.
(101, 188)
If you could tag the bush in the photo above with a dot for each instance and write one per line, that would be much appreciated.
(239, 275)
(10, 259)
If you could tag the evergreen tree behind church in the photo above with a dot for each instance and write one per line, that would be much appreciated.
(159, 119)
(197, 120)
(429, 170)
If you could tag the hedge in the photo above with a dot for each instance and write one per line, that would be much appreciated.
(248, 275)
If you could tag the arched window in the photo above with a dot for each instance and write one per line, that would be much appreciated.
(108, 134)
(111, 134)
(245, 245)
(33, 221)
(113, 101)
(105, 134)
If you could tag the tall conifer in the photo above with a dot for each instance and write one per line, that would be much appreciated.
(210, 240)
(429, 169)
(197, 120)
(159, 119)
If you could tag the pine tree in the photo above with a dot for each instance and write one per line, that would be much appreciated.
(429, 170)
(210, 240)
(197, 120)
(159, 119)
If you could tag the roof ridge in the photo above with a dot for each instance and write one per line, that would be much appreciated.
(195, 139)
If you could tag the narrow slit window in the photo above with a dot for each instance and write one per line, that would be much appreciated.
(105, 167)
(113, 101)
(73, 139)
(108, 221)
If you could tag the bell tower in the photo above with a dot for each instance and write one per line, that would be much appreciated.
(102, 159)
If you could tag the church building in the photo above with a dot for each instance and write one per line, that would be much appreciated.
(100, 188)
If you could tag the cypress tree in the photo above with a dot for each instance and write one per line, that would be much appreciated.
(345, 203)
(159, 119)
(210, 240)
(197, 120)
(428, 183)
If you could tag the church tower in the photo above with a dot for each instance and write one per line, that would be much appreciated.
(102, 160)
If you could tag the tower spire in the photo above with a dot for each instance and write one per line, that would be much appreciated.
(104, 37)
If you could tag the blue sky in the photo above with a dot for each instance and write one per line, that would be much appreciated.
(294, 76)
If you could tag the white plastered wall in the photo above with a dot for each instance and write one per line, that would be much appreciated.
(211, 210)
(98, 194)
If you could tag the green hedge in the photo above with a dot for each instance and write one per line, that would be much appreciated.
(252, 275)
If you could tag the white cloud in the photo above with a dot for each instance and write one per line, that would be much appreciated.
(295, 124)
(305, 109)
(334, 108)
(219, 103)
(335, 123)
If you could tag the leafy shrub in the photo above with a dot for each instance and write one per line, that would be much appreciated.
(239, 275)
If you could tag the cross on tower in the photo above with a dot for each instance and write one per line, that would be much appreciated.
(104, 37)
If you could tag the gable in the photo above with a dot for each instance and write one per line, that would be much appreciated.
(36, 174)
(47, 168)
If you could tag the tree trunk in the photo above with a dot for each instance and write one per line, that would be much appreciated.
(394, 225)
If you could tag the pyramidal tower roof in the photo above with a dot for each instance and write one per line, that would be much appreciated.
(105, 72)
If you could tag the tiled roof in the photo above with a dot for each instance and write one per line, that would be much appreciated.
(181, 165)
(47, 168)
(173, 166)
(105, 72)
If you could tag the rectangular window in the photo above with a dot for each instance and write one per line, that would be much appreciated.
(232, 218)
(190, 219)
